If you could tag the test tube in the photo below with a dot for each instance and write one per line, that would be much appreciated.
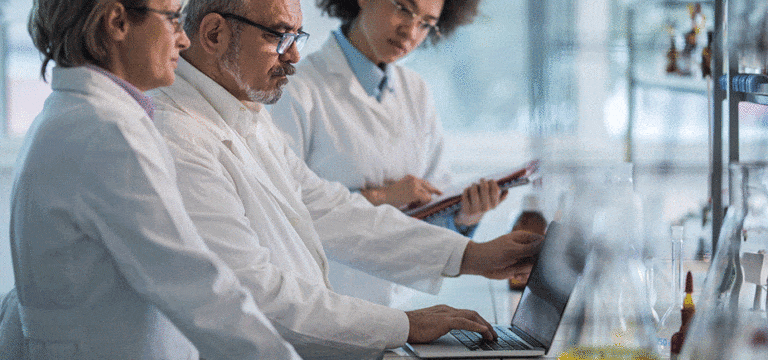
(668, 323)
(678, 236)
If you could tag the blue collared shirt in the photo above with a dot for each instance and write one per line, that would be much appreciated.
(368, 74)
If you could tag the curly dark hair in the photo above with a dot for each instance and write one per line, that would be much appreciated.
(455, 14)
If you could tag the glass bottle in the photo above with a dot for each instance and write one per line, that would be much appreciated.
(672, 67)
(728, 306)
(686, 314)
(706, 57)
(609, 308)
(531, 219)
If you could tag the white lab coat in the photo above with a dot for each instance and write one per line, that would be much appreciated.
(272, 219)
(108, 264)
(346, 135)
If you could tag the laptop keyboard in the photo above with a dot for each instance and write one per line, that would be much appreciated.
(507, 340)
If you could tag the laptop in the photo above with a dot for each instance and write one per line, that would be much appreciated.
(538, 313)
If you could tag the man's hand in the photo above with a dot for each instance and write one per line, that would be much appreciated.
(408, 191)
(478, 199)
(521, 272)
(433, 322)
(502, 257)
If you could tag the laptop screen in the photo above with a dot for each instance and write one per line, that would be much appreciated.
(549, 286)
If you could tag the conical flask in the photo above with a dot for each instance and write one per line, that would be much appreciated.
(610, 314)
(731, 310)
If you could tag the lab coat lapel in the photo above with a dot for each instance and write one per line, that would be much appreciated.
(333, 62)
(272, 175)
(206, 104)
(249, 153)
(251, 149)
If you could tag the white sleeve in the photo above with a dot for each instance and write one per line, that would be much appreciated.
(310, 316)
(133, 204)
(379, 240)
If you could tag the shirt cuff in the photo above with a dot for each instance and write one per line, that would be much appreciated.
(453, 266)
(400, 332)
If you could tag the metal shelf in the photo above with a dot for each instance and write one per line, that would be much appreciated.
(638, 79)
(671, 3)
(676, 83)
(758, 96)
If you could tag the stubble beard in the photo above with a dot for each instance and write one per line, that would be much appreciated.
(229, 63)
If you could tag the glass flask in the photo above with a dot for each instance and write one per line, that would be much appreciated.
(731, 311)
(610, 315)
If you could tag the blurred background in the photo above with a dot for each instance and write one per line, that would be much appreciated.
(570, 82)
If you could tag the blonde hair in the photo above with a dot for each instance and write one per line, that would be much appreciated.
(71, 32)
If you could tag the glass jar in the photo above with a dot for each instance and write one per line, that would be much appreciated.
(732, 301)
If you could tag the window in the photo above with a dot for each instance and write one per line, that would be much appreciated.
(25, 90)
(22, 99)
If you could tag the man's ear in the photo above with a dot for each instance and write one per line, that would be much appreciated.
(116, 21)
(214, 34)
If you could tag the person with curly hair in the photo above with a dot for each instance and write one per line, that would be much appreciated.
(357, 117)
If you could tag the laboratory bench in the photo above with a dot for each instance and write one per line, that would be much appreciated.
(493, 300)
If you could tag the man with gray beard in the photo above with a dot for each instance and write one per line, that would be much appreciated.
(272, 220)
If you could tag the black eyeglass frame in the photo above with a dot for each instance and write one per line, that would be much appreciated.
(286, 39)
(170, 15)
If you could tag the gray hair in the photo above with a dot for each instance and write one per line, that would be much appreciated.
(197, 9)
(71, 32)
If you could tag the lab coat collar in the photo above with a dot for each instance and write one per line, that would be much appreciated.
(367, 73)
(143, 100)
(208, 102)
(226, 108)
(330, 60)
(82, 79)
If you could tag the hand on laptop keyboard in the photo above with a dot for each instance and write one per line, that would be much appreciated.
(428, 324)
(506, 340)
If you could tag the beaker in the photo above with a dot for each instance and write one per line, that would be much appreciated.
(609, 305)
(733, 294)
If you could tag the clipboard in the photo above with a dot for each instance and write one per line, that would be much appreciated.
(450, 203)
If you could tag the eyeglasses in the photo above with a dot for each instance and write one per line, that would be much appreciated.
(175, 17)
(286, 39)
(406, 14)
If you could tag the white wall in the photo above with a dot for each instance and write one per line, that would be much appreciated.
(6, 268)
(318, 26)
